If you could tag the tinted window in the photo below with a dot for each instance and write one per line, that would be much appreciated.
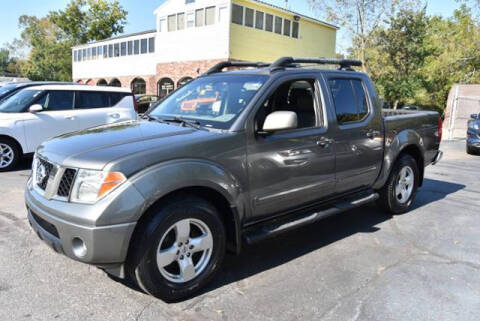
(278, 25)
(269, 22)
(361, 99)
(114, 98)
(237, 14)
(249, 17)
(259, 20)
(344, 99)
(58, 100)
(151, 45)
(136, 47)
(85, 99)
(144, 46)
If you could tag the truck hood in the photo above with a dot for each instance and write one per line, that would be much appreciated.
(94, 148)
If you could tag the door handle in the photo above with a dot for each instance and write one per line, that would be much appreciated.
(115, 115)
(373, 133)
(324, 142)
(70, 117)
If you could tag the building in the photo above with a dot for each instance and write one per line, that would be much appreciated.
(463, 100)
(193, 35)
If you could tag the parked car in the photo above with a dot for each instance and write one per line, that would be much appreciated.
(473, 134)
(410, 107)
(159, 200)
(12, 88)
(145, 101)
(38, 113)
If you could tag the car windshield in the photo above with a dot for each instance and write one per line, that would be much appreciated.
(213, 102)
(6, 89)
(19, 102)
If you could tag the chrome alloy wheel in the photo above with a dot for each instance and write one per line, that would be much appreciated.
(184, 250)
(6, 155)
(405, 182)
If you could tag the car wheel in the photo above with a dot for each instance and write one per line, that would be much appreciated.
(470, 150)
(180, 250)
(9, 154)
(397, 196)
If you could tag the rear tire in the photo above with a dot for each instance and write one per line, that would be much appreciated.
(179, 251)
(398, 193)
(10, 154)
(471, 151)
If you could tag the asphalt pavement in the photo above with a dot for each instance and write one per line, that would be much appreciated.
(360, 265)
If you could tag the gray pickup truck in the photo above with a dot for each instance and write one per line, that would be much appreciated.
(231, 158)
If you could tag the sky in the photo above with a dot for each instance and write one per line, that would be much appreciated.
(140, 14)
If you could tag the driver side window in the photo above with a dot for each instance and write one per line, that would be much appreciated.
(297, 96)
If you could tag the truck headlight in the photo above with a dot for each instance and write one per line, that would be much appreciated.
(92, 185)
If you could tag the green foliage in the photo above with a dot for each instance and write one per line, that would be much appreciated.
(416, 59)
(51, 38)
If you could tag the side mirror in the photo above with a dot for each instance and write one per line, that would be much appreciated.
(280, 120)
(35, 108)
(474, 116)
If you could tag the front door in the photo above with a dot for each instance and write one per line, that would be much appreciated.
(56, 118)
(295, 167)
(359, 139)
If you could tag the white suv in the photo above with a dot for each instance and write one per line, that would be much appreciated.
(39, 113)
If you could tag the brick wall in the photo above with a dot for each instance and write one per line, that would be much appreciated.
(173, 70)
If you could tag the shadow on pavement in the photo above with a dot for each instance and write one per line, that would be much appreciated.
(291, 245)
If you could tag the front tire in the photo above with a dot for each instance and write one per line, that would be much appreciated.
(397, 195)
(180, 250)
(10, 154)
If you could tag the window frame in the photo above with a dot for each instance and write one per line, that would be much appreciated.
(77, 97)
(247, 9)
(258, 14)
(242, 15)
(275, 25)
(273, 22)
(214, 8)
(143, 46)
(199, 22)
(298, 29)
(123, 48)
(284, 29)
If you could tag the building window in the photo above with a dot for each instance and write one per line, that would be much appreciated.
(130, 48)
(172, 23)
(139, 87)
(199, 17)
(123, 49)
(183, 81)
(180, 21)
(249, 17)
(269, 22)
(110, 51)
(136, 47)
(102, 82)
(165, 86)
(151, 45)
(100, 51)
(209, 16)
(222, 14)
(190, 20)
(259, 20)
(295, 29)
(286, 27)
(116, 49)
(94, 52)
(115, 83)
(144, 46)
(278, 25)
(237, 14)
(105, 51)
(162, 25)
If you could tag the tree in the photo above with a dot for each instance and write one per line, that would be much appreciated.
(50, 38)
(4, 59)
(397, 55)
(360, 17)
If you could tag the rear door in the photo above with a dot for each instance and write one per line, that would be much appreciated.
(95, 108)
(359, 134)
(56, 118)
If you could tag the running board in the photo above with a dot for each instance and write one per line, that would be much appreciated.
(283, 225)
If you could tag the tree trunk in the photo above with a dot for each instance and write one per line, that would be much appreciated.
(395, 104)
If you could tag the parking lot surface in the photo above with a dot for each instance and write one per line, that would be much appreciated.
(361, 265)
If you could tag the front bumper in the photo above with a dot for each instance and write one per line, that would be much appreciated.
(104, 246)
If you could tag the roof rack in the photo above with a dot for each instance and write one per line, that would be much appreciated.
(285, 62)
(226, 64)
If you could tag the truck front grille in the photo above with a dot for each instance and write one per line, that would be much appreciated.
(44, 170)
(66, 183)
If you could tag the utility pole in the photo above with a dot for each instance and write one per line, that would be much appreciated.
(286, 4)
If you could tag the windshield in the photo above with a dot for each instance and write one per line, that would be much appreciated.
(213, 102)
(19, 102)
(6, 89)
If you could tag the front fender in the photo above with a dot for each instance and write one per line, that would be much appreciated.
(394, 145)
(157, 181)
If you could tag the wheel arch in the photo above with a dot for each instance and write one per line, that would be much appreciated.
(20, 147)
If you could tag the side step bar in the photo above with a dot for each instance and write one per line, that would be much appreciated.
(283, 225)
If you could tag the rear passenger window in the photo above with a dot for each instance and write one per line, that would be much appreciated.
(91, 99)
(350, 100)
(115, 98)
(57, 100)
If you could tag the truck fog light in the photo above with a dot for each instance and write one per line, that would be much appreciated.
(79, 248)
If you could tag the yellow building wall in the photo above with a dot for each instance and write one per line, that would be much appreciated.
(250, 44)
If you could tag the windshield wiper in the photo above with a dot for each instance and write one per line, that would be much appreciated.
(182, 122)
